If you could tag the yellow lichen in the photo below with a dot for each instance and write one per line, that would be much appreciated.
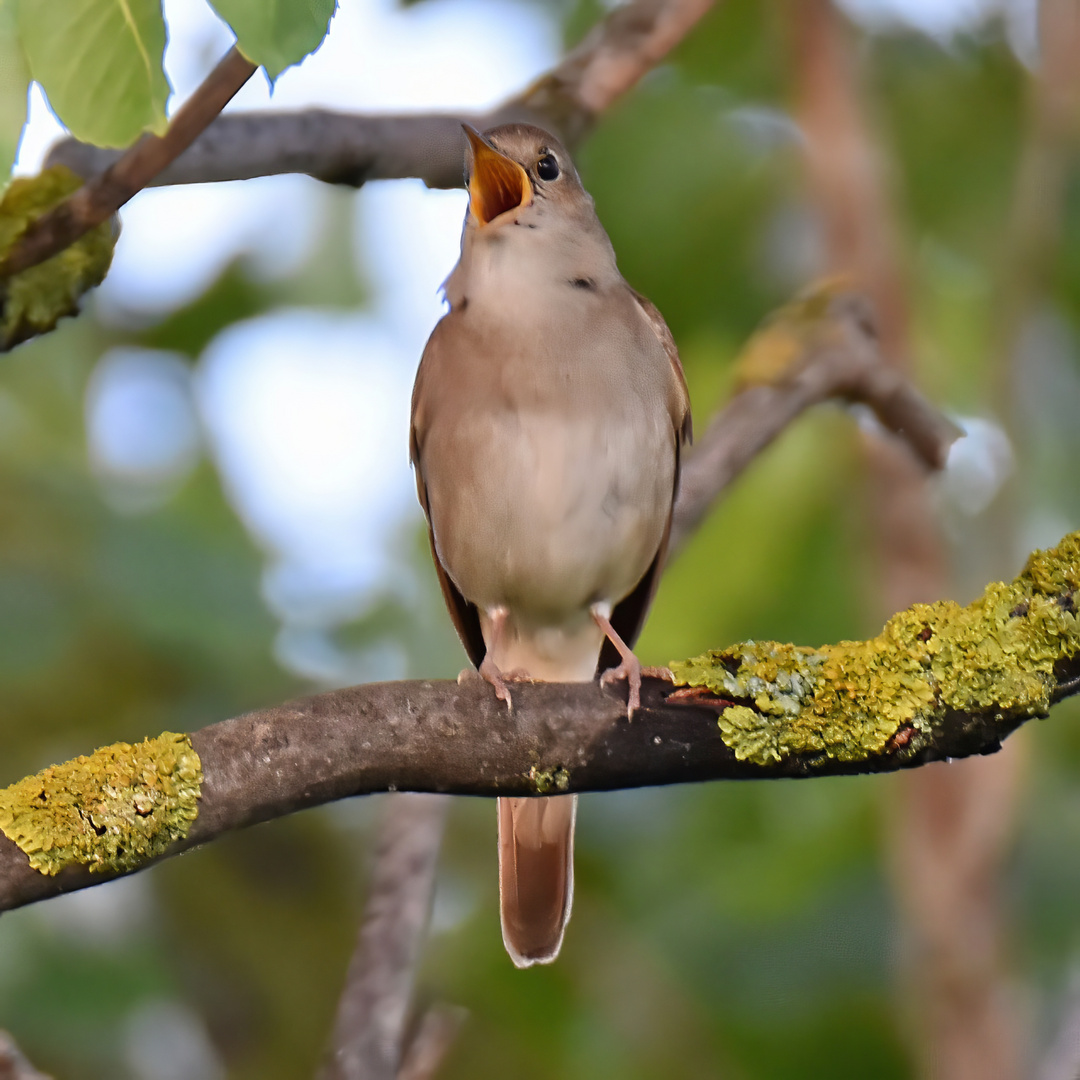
(114, 810)
(847, 701)
(34, 300)
(548, 781)
(783, 342)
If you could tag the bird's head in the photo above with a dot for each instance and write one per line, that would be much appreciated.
(515, 166)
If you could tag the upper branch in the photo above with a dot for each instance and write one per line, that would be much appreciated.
(352, 149)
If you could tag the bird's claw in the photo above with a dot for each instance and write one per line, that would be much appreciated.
(490, 672)
(630, 669)
(493, 675)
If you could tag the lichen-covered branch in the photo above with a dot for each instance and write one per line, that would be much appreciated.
(352, 149)
(939, 682)
(113, 809)
(32, 302)
(931, 664)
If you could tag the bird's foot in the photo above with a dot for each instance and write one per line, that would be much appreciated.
(489, 671)
(630, 669)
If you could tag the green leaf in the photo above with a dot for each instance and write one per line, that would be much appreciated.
(99, 62)
(14, 83)
(33, 302)
(277, 33)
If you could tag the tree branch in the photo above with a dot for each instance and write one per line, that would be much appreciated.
(445, 737)
(352, 149)
(441, 737)
(369, 1031)
(98, 199)
(437, 1031)
(823, 345)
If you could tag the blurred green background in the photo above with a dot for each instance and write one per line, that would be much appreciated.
(727, 930)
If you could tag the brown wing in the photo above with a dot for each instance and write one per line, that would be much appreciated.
(463, 614)
(629, 615)
(679, 405)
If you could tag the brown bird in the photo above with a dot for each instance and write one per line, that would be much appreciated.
(548, 416)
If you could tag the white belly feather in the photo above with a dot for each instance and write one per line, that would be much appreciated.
(565, 514)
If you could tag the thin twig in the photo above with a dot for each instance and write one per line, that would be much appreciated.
(98, 199)
(352, 149)
(13, 1064)
(369, 1031)
(436, 1034)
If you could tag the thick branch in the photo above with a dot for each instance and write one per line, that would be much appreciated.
(445, 737)
(351, 149)
(441, 737)
(98, 199)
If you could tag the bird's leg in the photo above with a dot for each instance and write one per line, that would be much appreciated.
(630, 669)
(489, 670)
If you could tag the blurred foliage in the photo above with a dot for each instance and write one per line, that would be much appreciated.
(724, 930)
(14, 83)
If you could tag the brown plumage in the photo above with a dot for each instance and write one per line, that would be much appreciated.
(548, 416)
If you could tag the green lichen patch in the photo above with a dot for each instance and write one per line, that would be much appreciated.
(549, 781)
(856, 699)
(782, 343)
(114, 810)
(33, 301)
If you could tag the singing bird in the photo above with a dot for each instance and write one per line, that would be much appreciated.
(548, 416)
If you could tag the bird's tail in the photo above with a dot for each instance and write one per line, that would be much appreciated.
(536, 875)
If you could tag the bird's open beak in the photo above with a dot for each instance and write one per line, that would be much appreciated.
(496, 183)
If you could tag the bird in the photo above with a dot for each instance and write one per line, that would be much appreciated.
(549, 414)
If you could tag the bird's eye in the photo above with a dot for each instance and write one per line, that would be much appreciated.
(547, 168)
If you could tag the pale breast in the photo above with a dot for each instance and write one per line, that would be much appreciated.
(556, 514)
(550, 475)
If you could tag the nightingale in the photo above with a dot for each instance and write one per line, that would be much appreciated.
(548, 416)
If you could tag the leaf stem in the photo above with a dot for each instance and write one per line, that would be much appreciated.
(99, 198)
